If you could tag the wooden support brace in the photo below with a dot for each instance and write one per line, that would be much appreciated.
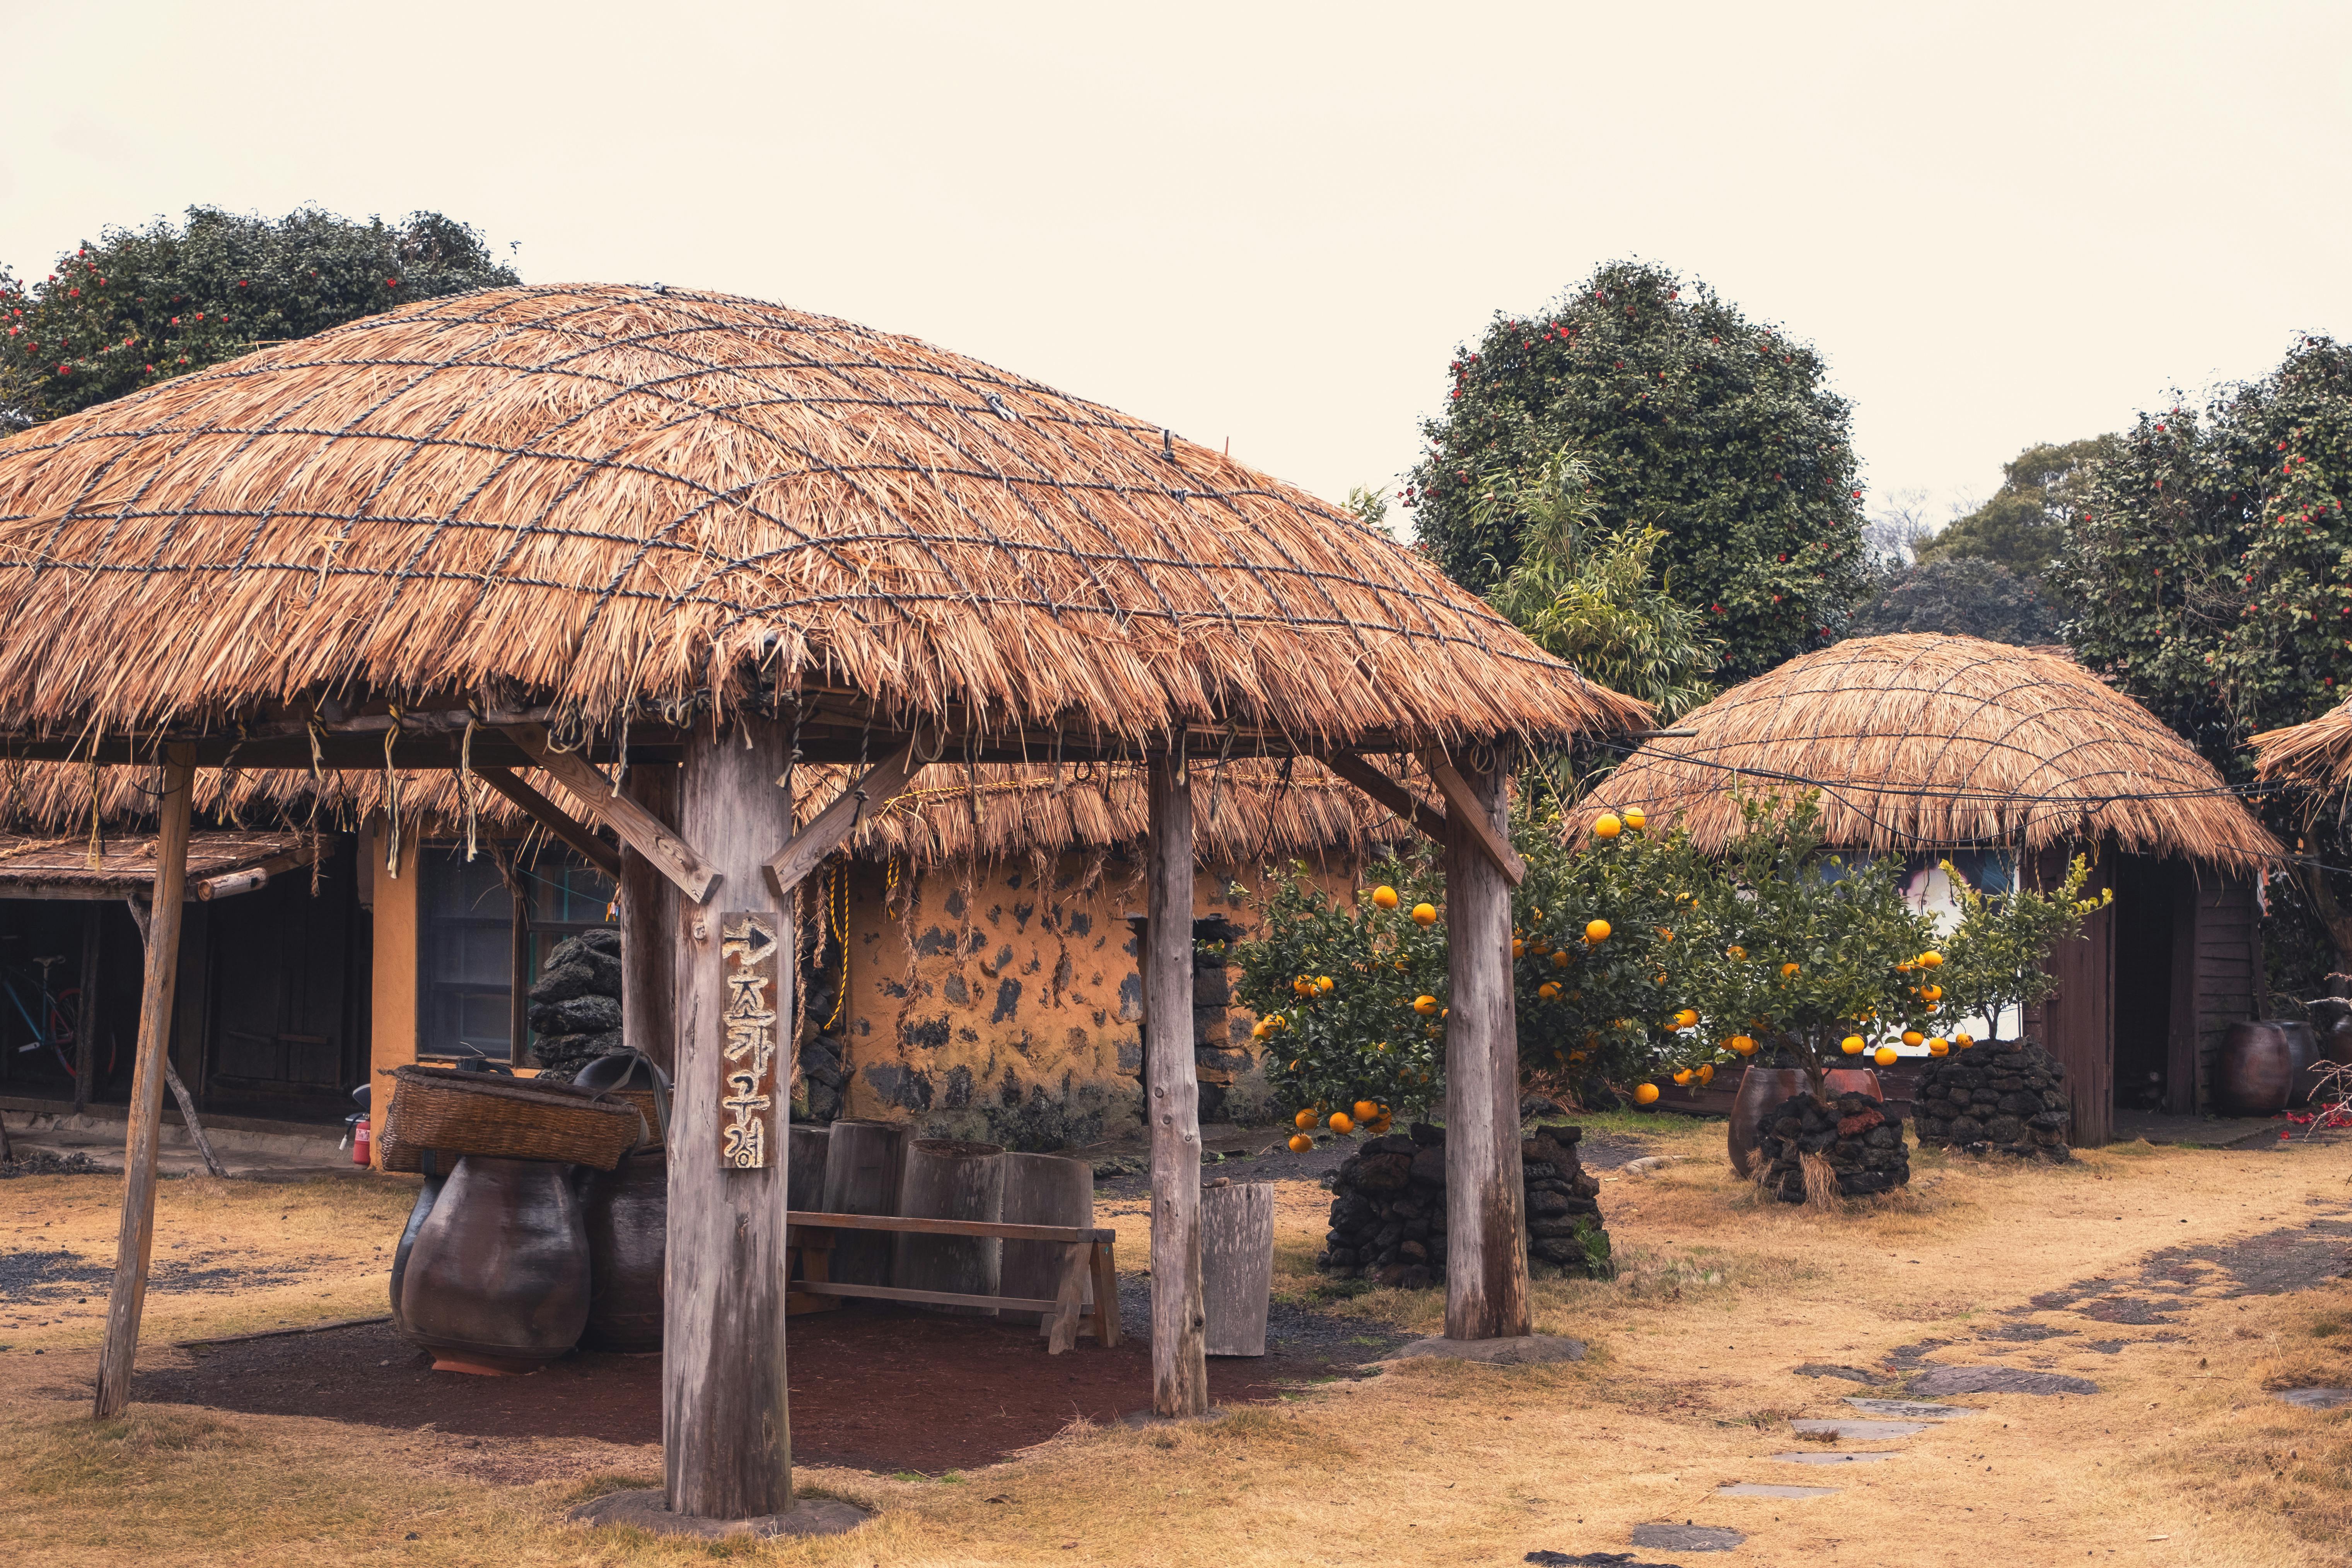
(552, 817)
(806, 849)
(639, 828)
(229, 884)
(1360, 771)
(1463, 807)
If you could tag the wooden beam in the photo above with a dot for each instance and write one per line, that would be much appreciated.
(1359, 771)
(135, 1239)
(1000, 1229)
(1179, 1364)
(554, 818)
(229, 884)
(642, 831)
(1463, 806)
(725, 1435)
(1486, 1231)
(806, 849)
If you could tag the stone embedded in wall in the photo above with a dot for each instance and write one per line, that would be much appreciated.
(2002, 1097)
(1388, 1211)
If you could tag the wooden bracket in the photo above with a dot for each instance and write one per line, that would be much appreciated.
(552, 817)
(1361, 773)
(638, 828)
(806, 849)
(1463, 807)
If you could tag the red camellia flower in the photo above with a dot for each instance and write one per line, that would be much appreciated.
(73, 294)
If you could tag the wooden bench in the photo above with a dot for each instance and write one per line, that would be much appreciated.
(809, 1237)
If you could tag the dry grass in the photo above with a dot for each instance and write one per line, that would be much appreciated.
(1921, 740)
(2184, 1458)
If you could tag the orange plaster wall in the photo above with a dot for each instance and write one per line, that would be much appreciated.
(392, 1026)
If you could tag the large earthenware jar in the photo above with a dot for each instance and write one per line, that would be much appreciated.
(2331, 1021)
(2256, 1071)
(427, 1197)
(2302, 1058)
(627, 1225)
(498, 1278)
(1851, 1081)
(1761, 1089)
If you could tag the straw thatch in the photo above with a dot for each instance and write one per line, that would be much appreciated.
(620, 501)
(1930, 743)
(2317, 754)
(127, 864)
(1243, 812)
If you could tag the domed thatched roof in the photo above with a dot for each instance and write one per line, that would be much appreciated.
(615, 501)
(1926, 742)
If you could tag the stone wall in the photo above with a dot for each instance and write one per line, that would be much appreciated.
(1388, 1211)
(2002, 1097)
(1854, 1134)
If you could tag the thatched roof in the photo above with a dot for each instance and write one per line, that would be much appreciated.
(1243, 812)
(632, 503)
(2317, 754)
(1924, 742)
(43, 864)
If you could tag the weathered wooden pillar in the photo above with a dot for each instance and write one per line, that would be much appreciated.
(649, 926)
(1486, 1227)
(726, 1439)
(86, 1015)
(1179, 1366)
(135, 1241)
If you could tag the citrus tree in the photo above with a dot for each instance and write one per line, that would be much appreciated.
(1998, 956)
(1816, 952)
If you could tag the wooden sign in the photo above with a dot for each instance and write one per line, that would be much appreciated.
(748, 1101)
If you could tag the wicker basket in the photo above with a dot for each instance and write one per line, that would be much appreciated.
(508, 1119)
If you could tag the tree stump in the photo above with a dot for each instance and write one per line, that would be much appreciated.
(1237, 1265)
(861, 1164)
(948, 1179)
(1043, 1189)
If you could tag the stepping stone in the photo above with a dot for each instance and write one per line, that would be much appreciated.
(1909, 1409)
(1765, 1488)
(1833, 1456)
(1526, 1350)
(1999, 1380)
(1823, 1369)
(1590, 1560)
(1687, 1537)
(2317, 1398)
(1865, 1431)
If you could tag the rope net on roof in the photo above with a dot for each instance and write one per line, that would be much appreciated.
(1922, 742)
(608, 499)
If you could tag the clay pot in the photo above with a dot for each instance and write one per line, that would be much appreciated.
(498, 1278)
(1761, 1090)
(626, 1220)
(2301, 1057)
(427, 1197)
(1851, 1081)
(2256, 1071)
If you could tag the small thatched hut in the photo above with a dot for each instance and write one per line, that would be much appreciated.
(2316, 756)
(2009, 759)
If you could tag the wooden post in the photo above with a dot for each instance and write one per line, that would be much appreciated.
(86, 1016)
(135, 1241)
(1179, 1366)
(649, 926)
(726, 1437)
(1486, 1230)
(1237, 1278)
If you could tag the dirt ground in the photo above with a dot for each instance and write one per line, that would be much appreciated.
(2183, 1286)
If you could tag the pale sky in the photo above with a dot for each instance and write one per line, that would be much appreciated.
(2000, 223)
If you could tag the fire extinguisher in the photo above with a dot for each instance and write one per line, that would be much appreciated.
(361, 1151)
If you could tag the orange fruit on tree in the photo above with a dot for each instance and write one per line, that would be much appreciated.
(1734, 951)
(1300, 1142)
(1913, 1037)
(1788, 970)
(1707, 1072)
(1883, 1056)
(1304, 1120)
(1851, 1045)
(1384, 897)
(1547, 990)
(1933, 993)
(1323, 982)
(1647, 1094)
(1342, 1122)
(1964, 1039)
(1259, 1030)
(1424, 914)
(1931, 961)
(1425, 1006)
(1606, 826)
(1743, 1045)
(1634, 818)
(1560, 958)
(1684, 1076)
(1939, 1047)
(1686, 1018)
(1596, 931)
(1519, 950)
(1367, 1111)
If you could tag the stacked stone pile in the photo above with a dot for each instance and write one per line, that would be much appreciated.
(1862, 1144)
(575, 1007)
(2002, 1097)
(824, 1066)
(1388, 1210)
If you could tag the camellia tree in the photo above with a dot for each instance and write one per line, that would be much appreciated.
(1813, 952)
(136, 307)
(1715, 431)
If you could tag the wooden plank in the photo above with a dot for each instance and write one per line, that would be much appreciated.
(2183, 1094)
(1491, 838)
(927, 1298)
(1486, 1252)
(1361, 773)
(229, 884)
(86, 1023)
(807, 849)
(1004, 1230)
(1060, 1324)
(188, 1115)
(1180, 1363)
(1237, 1278)
(726, 1436)
(672, 849)
(750, 1111)
(1105, 1313)
(554, 818)
(649, 926)
(135, 1240)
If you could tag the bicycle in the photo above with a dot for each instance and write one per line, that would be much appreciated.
(59, 1008)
